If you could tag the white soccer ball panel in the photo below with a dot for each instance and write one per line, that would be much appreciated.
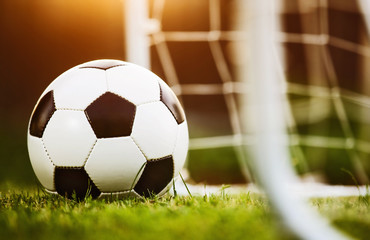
(69, 138)
(181, 148)
(59, 80)
(114, 163)
(41, 164)
(78, 88)
(136, 84)
(154, 130)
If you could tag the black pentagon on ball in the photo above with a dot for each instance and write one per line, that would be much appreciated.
(172, 103)
(111, 116)
(42, 114)
(102, 64)
(74, 181)
(156, 176)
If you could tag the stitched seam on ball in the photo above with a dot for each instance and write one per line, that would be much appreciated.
(148, 102)
(141, 150)
(47, 153)
(157, 101)
(177, 136)
(166, 189)
(52, 94)
(75, 167)
(87, 115)
(160, 99)
(137, 105)
(133, 119)
(160, 159)
(133, 115)
(152, 101)
(160, 91)
(50, 114)
(96, 99)
(88, 155)
(69, 109)
(104, 69)
(137, 177)
(137, 195)
(118, 96)
(176, 119)
(70, 167)
(106, 194)
(173, 150)
(90, 123)
(92, 180)
(117, 192)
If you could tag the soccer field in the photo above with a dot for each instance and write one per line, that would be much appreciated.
(33, 214)
(28, 213)
(264, 105)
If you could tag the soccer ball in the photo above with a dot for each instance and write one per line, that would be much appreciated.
(107, 127)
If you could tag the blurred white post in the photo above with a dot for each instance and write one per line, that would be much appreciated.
(137, 39)
(271, 160)
(365, 7)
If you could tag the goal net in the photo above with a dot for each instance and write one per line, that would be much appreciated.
(197, 47)
(311, 94)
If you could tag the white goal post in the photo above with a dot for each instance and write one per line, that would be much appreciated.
(137, 32)
(271, 158)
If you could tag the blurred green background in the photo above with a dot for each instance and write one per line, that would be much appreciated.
(40, 39)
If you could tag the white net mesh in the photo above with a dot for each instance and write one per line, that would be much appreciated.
(326, 44)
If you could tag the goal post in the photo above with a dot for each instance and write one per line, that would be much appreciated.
(136, 15)
(271, 161)
(251, 65)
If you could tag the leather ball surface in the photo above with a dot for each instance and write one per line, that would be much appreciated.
(107, 127)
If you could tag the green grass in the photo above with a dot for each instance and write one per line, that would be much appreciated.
(36, 215)
(350, 214)
(33, 214)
